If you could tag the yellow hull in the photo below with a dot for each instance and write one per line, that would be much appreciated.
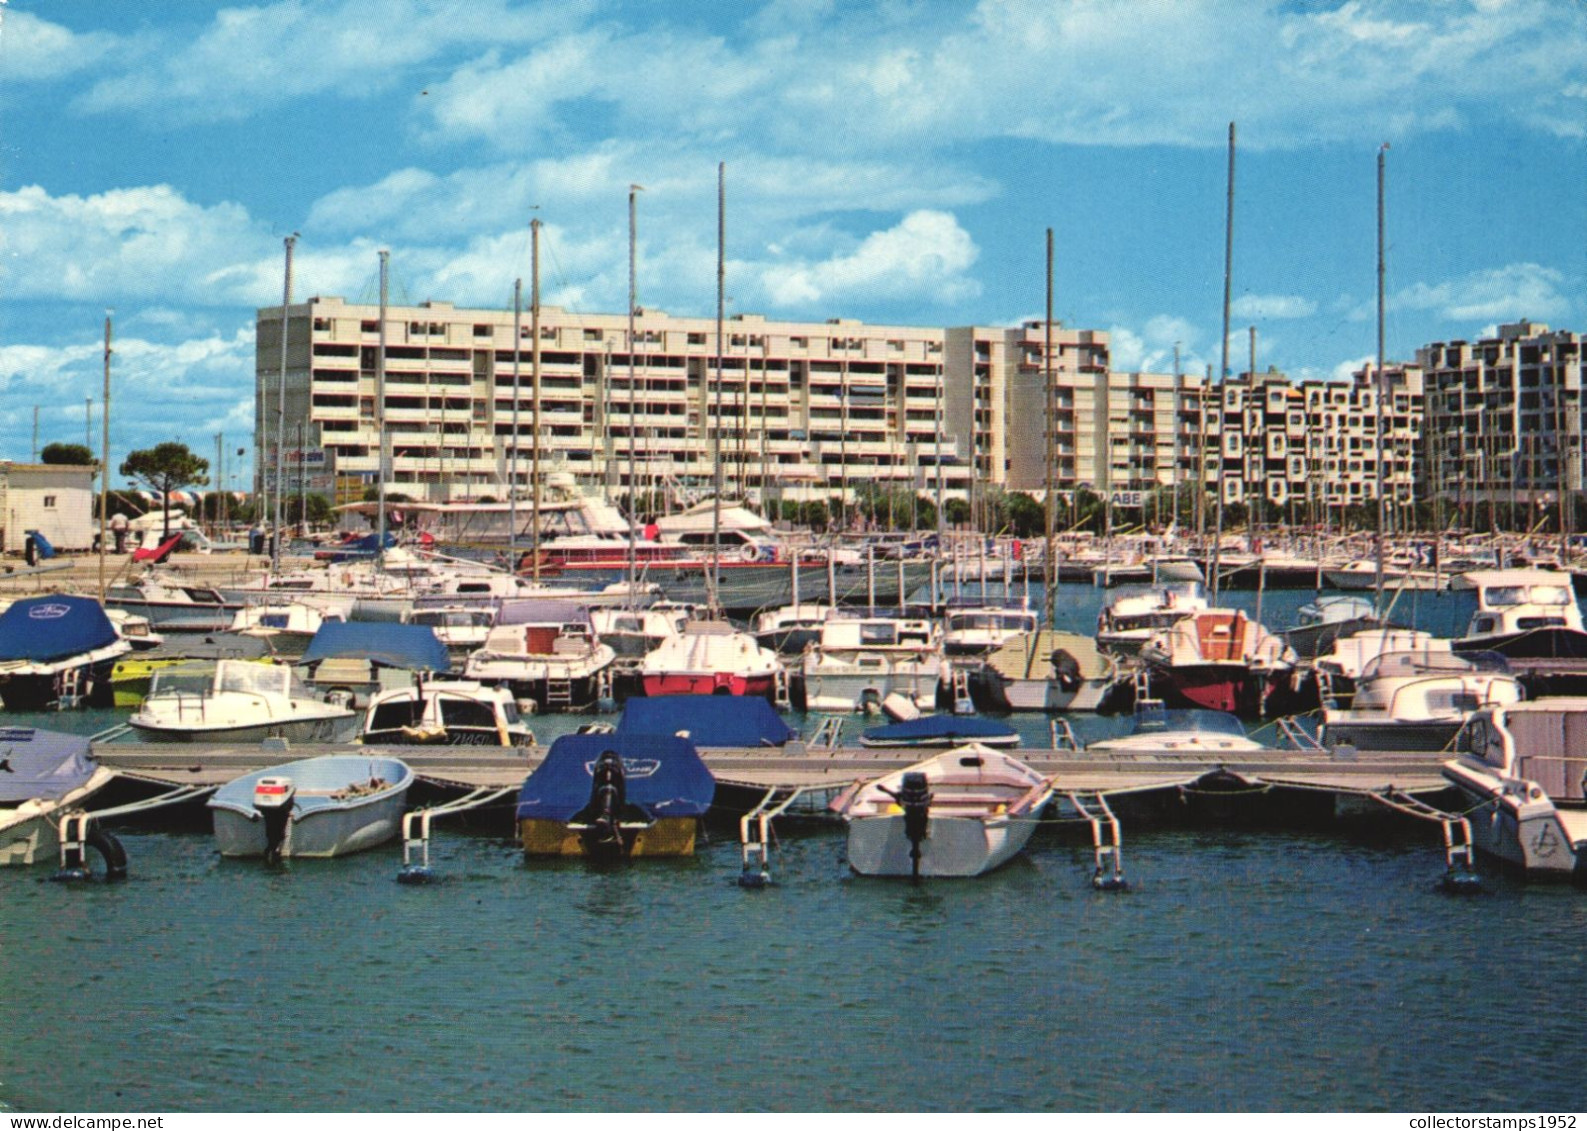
(670, 836)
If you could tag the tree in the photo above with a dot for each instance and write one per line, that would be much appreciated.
(956, 511)
(76, 455)
(165, 468)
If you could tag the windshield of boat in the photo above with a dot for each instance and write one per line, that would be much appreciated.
(1160, 721)
(1394, 664)
(253, 679)
(1504, 596)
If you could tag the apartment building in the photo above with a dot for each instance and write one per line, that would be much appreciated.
(1505, 415)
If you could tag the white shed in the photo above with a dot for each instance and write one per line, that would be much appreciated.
(56, 499)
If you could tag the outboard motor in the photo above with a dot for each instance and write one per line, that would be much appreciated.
(603, 834)
(914, 798)
(272, 800)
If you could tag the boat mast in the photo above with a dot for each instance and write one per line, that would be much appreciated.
(380, 411)
(716, 399)
(1051, 517)
(534, 376)
(1383, 447)
(1223, 372)
(633, 411)
(104, 463)
(512, 455)
(281, 411)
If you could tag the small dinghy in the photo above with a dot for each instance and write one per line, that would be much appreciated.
(615, 796)
(43, 775)
(962, 813)
(328, 806)
(941, 731)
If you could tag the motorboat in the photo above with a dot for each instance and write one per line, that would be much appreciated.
(1136, 614)
(962, 813)
(735, 721)
(1158, 729)
(1397, 573)
(1045, 671)
(57, 652)
(349, 662)
(46, 775)
(940, 731)
(862, 661)
(332, 805)
(710, 657)
(130, 678)
(1419, 700)
(444, 712)
(1518, 769)
(1221, 660)
(1340, 669)
(971, 628)
(615, 797)
(462, 628)
(286, 626)
(631, 633)
(135, 630)
(790, 629)
(1319, 623)
(239, 702)
(1530, 617)
(546, 653)
(173, 604)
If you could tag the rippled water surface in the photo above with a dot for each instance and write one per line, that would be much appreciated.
(1244, 970)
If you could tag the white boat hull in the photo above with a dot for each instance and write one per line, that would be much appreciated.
(333, 727)
(1524, 831)
(323, 833)
(30, 832)
(953, 846)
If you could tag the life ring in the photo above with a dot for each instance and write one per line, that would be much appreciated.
(748, 553)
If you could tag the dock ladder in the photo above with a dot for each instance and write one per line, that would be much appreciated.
(80, 830)
(827, 732)
(416, 830)
(1460, 865)
(755, 834)
(1107, 840)
(1299, 737)
(1142, 678)
(959, 681)
(1062, 734)
(780, 692)
(559, 694)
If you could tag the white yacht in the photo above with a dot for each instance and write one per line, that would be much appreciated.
(861, 661)
(1419, 700)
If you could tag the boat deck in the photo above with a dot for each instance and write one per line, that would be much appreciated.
(816, 767)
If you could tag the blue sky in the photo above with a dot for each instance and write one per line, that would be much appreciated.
(896, 161)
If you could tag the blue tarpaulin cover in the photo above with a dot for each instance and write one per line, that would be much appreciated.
(942, 728)
(45, 629)
(711, 720)
(365, 547)
(41, 763)
(664, 776)
(414, 647)
(43, 544)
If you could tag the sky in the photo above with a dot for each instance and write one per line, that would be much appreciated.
(897, 161)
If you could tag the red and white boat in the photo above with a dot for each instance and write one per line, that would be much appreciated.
(1220, 660)
(710, 658)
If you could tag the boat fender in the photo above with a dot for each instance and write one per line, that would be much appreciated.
(74, 861)
(914, 798)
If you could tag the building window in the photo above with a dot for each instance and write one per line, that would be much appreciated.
(49, 502)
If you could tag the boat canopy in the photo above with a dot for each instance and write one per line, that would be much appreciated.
(45, 629)
(664, 776)
(937, 728)
(707, 720)
(41, 764)
(414, 647)
(543, 611)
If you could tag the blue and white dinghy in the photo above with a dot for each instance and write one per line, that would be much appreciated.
(43, 775)
(332, 805)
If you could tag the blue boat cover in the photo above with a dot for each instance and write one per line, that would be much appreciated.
(710, 720)
(44, 629)
(362, 548)
(664, 776)
(41, 763)
(939, 727)
(43, 544)
(414, 647)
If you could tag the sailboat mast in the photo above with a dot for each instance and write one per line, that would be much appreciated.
(380, 411)
(512, 453)
(1383, 447)
(1223, 372)
(716, 400)
(104, 463)
(281, 410)
(633, 409)
(534, 353)
(1050, 516)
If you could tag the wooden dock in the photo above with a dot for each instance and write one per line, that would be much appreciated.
(819, 768)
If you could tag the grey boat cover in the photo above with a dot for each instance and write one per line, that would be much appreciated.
(414, 647)
(41, 764)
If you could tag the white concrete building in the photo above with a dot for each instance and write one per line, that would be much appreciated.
(55, 499)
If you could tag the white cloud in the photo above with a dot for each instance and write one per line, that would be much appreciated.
(1272, 307)
(1151, 348)
(1500, 294)
(34, 50)
(924, 257)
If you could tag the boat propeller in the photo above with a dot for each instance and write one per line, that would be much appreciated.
(602, 835)
(272, 801)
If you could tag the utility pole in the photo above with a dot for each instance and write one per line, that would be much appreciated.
(104, 464)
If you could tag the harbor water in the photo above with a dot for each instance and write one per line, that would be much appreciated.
(1245, 969)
